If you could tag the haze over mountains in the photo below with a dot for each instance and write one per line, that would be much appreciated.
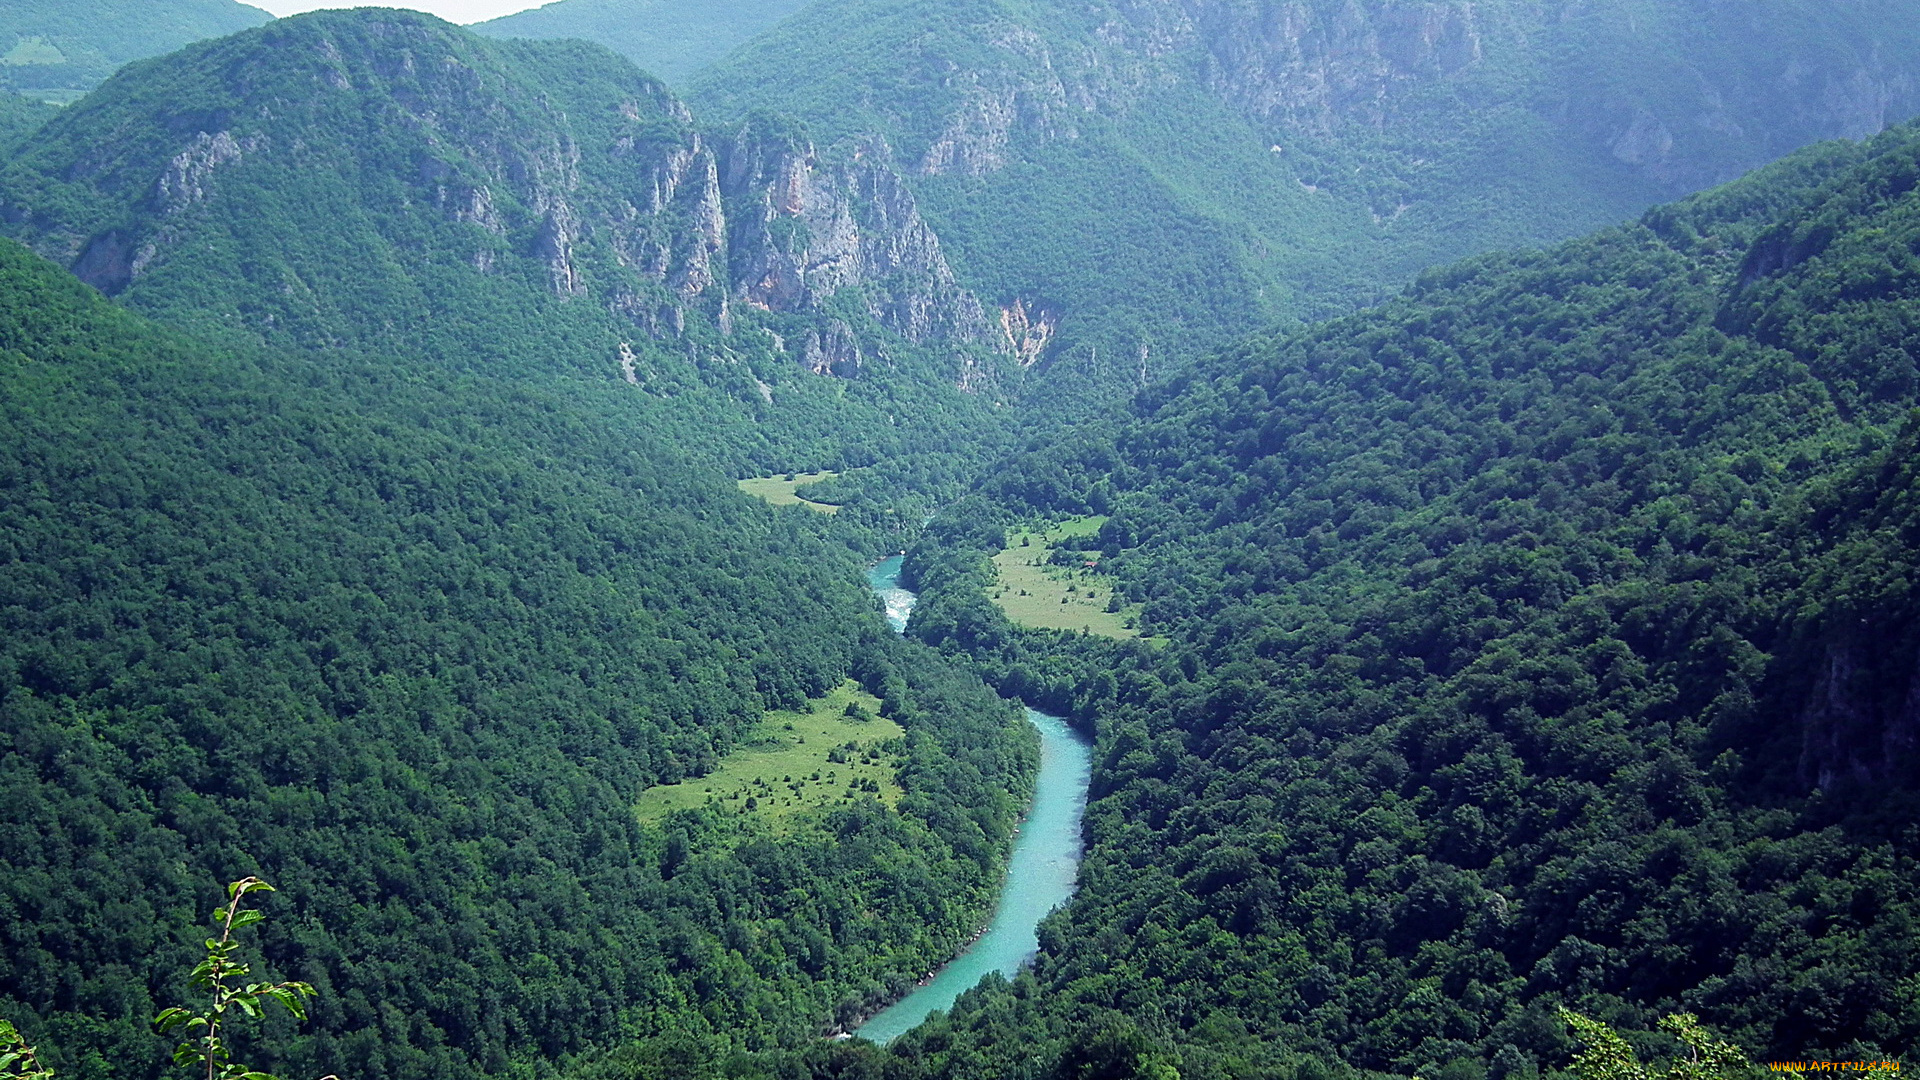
(1519, 628)
(1167, 175)
(59, 51)
(671, 40)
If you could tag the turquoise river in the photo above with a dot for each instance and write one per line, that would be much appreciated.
(1041, 875)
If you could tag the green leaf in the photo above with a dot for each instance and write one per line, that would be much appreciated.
(246, 885)
(289, 995)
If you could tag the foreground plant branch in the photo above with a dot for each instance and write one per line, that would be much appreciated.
(17, 1060)
(217, 975)
(1608, 1056)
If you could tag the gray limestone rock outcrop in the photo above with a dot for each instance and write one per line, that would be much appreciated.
(837, 352)
(1685, 94)
(762, 220)
(406, 146)
(805, 228)
(1861, 721)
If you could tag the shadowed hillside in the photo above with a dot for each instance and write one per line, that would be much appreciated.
(1546, 636)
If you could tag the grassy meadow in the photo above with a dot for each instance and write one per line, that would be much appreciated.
(781, 490)
(1034, 593)
(797, 761)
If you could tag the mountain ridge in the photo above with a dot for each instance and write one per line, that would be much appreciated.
(1409, 135)
(1514, 657)
(382, 181)
(412, 648)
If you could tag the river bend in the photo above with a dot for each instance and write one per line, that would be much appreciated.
(1041, 874)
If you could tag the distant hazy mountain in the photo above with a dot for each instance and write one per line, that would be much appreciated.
(59, 51)
(668, 38)
(1152, 176)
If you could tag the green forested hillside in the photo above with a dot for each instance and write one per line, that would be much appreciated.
(1546, 636)
(385, 183)
(671, 40)
(1543, 636)
(59, 51)
(1160, 177)
(20, 117)
(410, 643)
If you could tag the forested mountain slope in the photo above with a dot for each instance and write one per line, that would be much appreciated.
(1547, 635)
(410, 643)
(665, 38)
(1544, 635)
(385, 183)
(20, 117)
(1151, 179)
(59, 51)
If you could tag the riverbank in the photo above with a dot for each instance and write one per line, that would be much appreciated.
(1041, 874)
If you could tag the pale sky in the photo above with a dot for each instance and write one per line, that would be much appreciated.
(456, 11)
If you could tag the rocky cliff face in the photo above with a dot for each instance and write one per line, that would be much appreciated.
(1686, 94)
(1311, 67)
(803, 229)
(765, 223)
(1322, 67)
(1026, 331)
(1303, 157)
(392, 138)
(1861, 722)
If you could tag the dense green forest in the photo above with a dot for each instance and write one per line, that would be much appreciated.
(1546, 636)
(410, 646)
(20, 117)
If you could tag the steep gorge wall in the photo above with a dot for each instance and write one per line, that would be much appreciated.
(1169, 174)
(1686, 95)
(404, 142)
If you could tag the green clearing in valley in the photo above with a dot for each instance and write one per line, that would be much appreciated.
(779, 490)
(1033, 593)
(788, 765)
(33, 50)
